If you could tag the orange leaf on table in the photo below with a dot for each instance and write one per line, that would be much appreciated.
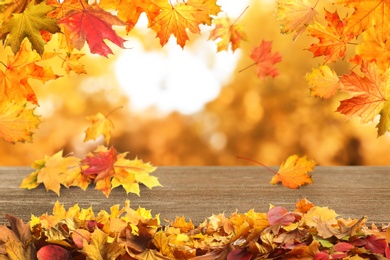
(295, 15)
(265, 60)
(29, 24)
(323, 81)
(100, 125)
(293, 172)
(333, 38)
(176, 18)
(130, 10)
(53, 171)
(227, 34)
(93, 25)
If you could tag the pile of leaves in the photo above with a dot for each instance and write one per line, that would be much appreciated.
(307, 232)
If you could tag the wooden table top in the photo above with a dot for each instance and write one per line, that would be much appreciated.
(198, 192)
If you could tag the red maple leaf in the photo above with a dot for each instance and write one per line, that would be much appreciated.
(92, 24)
(100, 164)
(265, 60)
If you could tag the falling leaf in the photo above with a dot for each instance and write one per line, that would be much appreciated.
(130, 10)
(175, 19)
(332, 38)
(227, 34)
(370, 92)
(17, 123)
(295, 15)
(100, 125)
(72, 63)
(94, 25)
(293, 172)
(323, 81)
(265, 60)
(29, 24)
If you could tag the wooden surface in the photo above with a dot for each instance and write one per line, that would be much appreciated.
(198, 192)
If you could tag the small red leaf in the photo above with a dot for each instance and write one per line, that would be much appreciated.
(52, 252)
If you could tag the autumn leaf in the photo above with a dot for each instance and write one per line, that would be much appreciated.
(368, 13)
(29, 24)
(295, 15)
(227, 33)
(17, 122)
(52, 171)
(100, 249)
(14, 85)
(332, 38)
(94, 25)
(130, 10)
(72, 63)
(52, 252)
(370, 92)
(293, 172)
(100, 125)
(265, 60)
(323, 81)
(176, 18)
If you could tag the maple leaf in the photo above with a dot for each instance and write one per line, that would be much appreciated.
(324, 82)
(265, 60)
(52, 171)
(332, 38)
(92, 24)
(293, 172)
(375, 49)
(175, 19)
(72, 63)
(227, 34)
(368, 13)
(295, 15)
(99, 248)
(17, 122)
(29, 24)
(370, 92)
(130, 10)
(100, 125)
(100, 163)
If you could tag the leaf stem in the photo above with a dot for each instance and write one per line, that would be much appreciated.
(5, 65)
(112, 111)
(251, 160)
(238, 18)
(247, 67)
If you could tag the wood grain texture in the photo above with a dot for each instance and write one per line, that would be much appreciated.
(198, 192)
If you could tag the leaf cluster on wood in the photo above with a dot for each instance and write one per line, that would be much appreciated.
(307, 232)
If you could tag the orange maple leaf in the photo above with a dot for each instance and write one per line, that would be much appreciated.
(324, 82)
(368, 13)
(130, 10)
(227, 34)
(94, 25)
(370, 91)
(332, 38)
(176, 18)
(14, 85)
(295, 15)
(17, 122)
(265, 60)
(293, 172)
(100, 125)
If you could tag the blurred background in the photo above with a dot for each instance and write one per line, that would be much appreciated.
(193, 107)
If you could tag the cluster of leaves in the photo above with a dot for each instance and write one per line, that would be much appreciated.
(104, 166)
(308, 232)
(365, 30)
(32, 24)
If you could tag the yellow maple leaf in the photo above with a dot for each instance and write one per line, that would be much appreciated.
(17, 122)
(100, 125)
(323, 82)
(29, 24)
(100, 249)
(227, 34)
(72, 63)
(316, 213)
(52, 171)
(176, 18)
(293, 172)
(295, 15)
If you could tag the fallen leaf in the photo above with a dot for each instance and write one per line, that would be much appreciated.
(293, 172)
